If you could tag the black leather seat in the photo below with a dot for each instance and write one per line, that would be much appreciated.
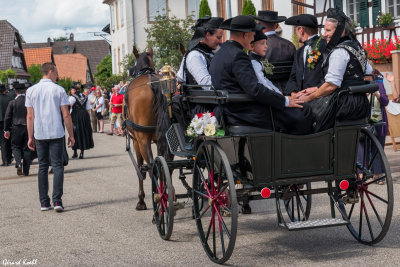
(352, 122)
(243, 130)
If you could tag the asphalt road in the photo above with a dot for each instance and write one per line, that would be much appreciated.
(101, 227)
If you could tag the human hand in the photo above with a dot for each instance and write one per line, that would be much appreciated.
(71, 141)
(31, 144)
(295, 102)
(7, 135)
(390, 77)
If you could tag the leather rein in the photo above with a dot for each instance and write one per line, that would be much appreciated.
(129, 123)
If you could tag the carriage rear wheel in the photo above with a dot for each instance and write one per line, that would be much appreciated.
(215, 202)
(298, 205)
(367, 204)
(162, 198)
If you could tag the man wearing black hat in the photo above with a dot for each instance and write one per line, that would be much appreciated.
(306, 71)
(232, 70)
(4, 143)
(15, 122)
(345, 64)
(280, 52)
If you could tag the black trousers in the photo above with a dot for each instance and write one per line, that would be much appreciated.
(294, 120)
(19, 144)
(5, 145)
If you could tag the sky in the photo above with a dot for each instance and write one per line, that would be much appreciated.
(37, 20)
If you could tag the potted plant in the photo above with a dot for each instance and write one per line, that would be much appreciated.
(385, 19)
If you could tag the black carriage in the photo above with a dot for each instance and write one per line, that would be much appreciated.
(251, 163)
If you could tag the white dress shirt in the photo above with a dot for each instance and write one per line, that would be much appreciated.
(196, 64)
(258, 69)
(46, 99)
(337, 66)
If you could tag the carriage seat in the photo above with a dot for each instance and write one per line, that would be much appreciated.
(238, 130)
(352, 122)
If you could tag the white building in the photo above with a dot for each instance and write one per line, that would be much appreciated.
(129, 18)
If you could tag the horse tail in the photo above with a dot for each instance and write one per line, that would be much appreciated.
(160, 109)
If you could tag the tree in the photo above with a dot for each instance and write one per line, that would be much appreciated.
(165, 35)
(6, 74)
(60, 39)
(66, 83)
(103, 70)
(204, 9)
(127, 62)
(35, 72)
(248, 8)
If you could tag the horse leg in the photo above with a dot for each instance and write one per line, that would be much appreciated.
(140, 205)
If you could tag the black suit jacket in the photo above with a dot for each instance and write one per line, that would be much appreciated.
(279, 49)
(312, 77)
(231, 70)
(16, 113)
(4, 100)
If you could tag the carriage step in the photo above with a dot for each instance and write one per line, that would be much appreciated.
(317, 223)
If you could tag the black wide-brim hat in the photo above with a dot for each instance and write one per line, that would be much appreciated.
(305, 20)
(269, 16)
(259, 36)
(202, 26)
(2, 87)
(241, 23)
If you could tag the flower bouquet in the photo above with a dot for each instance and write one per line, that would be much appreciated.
(204, 123)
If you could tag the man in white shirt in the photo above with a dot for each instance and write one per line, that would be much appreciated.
(47, 107)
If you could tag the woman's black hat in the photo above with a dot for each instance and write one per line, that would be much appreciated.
(202, 26)
(305, 20)
(259, 36)
(2, 87)
(269, 16)
(241, 23)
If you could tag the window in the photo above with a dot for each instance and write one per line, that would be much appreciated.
(112, 17)
(116, 15)
(115, 61)
(119, 60)
(353, 10)
(156, 8)
(221, 9)
(267, 5)
(123, 51)
(193, 8)
(240, 6)
(393, 7)
(121, 12)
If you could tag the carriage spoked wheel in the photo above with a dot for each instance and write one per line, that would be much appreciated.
(215, 202)
(297, 205)
(162, 198)
(367, 203)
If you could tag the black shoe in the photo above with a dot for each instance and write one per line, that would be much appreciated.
(5, 164)
(58, 207)
(75, 155)
(45, 206)
(19, 170)
(81, 155)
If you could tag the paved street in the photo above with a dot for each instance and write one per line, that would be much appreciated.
(101, 227)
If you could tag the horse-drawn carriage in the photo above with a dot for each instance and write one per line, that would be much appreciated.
(250, 163)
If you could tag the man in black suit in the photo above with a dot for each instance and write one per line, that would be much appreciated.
(306, 74)
(15, 122)
(4, 143)
(231, 69)
(280, 52)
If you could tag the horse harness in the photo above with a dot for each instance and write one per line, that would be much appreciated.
(129, 123)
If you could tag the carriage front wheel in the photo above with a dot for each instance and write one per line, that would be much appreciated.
(368, 203)
(214, 202)
(162, 198)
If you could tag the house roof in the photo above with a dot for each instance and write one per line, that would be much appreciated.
(8, 33)
(38, 55)
(72, 66)
(94, 50)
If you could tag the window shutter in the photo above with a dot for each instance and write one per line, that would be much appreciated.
(376, 10)
(338, 4)
(364, 19)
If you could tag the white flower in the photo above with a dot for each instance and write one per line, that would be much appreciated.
(199, 128)
(209, 130)
(190, 131)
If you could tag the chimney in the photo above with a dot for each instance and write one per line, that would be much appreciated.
(71, 37)
(48, 41)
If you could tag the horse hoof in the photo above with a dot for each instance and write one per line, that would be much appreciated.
(246, 209)
(141, 206)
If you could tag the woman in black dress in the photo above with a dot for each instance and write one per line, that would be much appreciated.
(81, 121)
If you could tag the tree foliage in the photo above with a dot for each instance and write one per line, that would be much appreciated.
(204, 9)
(6, 74)
(35, 72)
(60, 39)
(165, 35)
(66, 83)
(248, 8)
(127, 62)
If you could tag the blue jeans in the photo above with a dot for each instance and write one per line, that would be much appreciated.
(50, 152)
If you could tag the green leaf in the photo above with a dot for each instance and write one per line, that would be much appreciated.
(219, 132)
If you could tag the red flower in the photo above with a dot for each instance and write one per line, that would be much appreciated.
(199, 115)
(212, 114)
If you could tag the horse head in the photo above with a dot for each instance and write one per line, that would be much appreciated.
(144, 61)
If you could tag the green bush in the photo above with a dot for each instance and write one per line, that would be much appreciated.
(248, 8)
(35, 72)
(6, 74)
(66, 83)
(204, 9)
(165, 35)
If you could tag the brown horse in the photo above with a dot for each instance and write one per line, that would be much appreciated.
(146, 108)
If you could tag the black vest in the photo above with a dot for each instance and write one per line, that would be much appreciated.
(355, 69)
(208, 55)
(80, 102)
